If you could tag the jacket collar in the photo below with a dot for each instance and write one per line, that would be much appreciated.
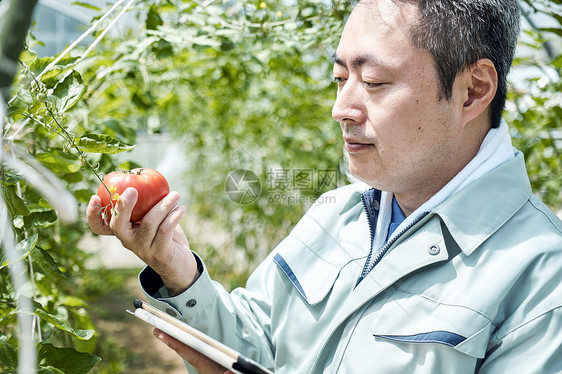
(354, 198)
(477, 211)
(474, 213)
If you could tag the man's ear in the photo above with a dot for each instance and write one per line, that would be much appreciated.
(481, 85)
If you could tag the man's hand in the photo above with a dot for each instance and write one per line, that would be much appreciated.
(203, 364)
(158, 240)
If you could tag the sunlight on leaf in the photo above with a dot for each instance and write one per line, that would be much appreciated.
(69, 91)
(96, 143)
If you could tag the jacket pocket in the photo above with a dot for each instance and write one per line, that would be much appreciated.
(312, 275)
(414, 319)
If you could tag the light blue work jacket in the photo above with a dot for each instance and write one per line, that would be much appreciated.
(475, 286)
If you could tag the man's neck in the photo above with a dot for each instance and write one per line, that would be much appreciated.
(411, 200)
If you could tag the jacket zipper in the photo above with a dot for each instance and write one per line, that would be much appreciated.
(395, 238)
(371, 224)
(367, 268)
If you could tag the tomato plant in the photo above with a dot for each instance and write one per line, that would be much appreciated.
(150, 184)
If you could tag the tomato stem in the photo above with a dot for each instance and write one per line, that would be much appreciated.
(68, 138)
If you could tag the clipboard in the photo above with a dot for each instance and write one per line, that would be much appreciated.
(197, 340)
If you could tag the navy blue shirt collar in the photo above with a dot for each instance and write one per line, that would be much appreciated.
(397, 217)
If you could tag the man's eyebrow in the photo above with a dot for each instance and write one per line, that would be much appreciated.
(337, 60)
(361, 60)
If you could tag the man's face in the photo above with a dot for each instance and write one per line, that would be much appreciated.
(398, 134)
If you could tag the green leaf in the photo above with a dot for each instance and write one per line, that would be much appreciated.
(65, 360)
(8, 177)
(38, 65)
(86, 5)
(202, 41)
(141, 100)
(83, 195)
(44, 260)
(121, 130)
(555, 30)
(23, 249)
(15, 111)
(59, 162)
(99, 143)
(28, 56)
(40, 219)
(69, 91)
(25, 96)
(8, 354)
(62, 324)
(163, 49)
(72, 177)
(153, 19)
(49, 370)
(129, 165)
(557, 62)
(72, 301)
(16, 205)
(7, 319)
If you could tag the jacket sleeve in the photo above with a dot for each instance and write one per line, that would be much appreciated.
(240, 319)
(533, 347)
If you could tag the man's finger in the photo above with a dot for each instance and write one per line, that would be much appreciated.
(202, 363)
(167, 228)
(95, 219)
(163, 207)
(158, 218)
(120, 221)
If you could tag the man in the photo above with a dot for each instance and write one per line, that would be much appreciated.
(440, 261)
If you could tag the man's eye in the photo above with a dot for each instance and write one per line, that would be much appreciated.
(372, 85)
(339, 80)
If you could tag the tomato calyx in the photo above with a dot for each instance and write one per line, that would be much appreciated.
(111, 206)
(137, 171)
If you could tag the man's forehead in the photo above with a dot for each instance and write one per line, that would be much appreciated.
(395, 2)
(362, 59)
(377, 34)
(403, 11)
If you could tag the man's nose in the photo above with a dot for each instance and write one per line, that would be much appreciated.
(349, 104)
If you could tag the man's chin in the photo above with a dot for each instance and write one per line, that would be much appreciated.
(359, 175)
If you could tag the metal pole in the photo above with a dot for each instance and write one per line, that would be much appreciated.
(15, 24)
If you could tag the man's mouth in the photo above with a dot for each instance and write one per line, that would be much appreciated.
(355, 145)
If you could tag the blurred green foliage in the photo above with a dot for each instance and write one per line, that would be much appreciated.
(534, 108)
(241, 85)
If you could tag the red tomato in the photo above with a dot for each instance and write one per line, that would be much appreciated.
(150, 184)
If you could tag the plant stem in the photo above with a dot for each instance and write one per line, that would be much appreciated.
(65, 134)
